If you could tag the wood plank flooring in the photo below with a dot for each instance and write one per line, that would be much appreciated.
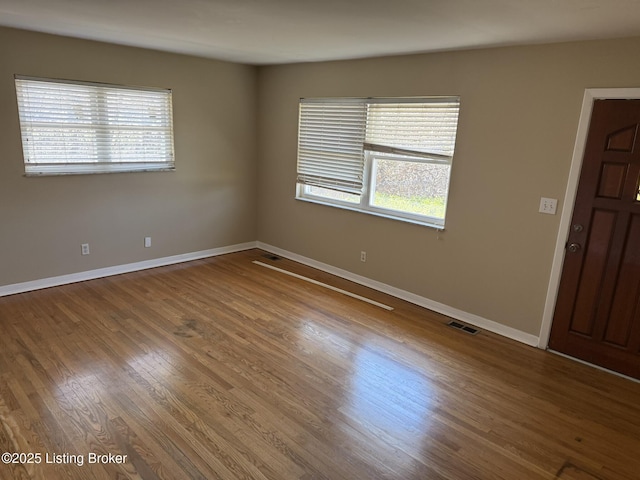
(223, 369)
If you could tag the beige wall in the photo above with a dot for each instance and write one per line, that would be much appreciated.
(208, 202)
(518, 122)
(235, 134)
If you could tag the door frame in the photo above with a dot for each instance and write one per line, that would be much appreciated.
(590, 95)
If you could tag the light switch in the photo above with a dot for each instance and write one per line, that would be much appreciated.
(548, 205)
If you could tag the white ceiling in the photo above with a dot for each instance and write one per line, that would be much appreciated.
(284, 31)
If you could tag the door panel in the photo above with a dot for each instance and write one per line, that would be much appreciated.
(624, 308)
(593, 271)
(612, 180)
(597, 316)
(622, 140)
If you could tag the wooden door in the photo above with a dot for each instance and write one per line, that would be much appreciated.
(597, 316)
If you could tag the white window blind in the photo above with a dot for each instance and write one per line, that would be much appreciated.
(76, 127)
(416, 127)
(330, 144)
(334, 134)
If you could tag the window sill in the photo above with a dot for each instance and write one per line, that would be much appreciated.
(92, 170)
(372, 212)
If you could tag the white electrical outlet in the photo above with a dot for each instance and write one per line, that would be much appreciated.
(548, 205)
(363, 256)
(85, 249)
(147, 242)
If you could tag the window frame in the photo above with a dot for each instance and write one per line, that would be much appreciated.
(370, 156)
(105, 120)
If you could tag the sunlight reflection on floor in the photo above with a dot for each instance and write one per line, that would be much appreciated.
(386, 396)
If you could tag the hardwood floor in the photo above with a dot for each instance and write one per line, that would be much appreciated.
(224, 369)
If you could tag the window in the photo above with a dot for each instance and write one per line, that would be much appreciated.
(384, 156)
(73, 127)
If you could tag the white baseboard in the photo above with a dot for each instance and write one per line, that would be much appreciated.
(119, 269)
(455, 313)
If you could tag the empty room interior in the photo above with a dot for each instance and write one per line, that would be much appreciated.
(235, 307)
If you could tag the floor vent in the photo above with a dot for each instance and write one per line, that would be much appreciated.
(464, 328)
(271, 256)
